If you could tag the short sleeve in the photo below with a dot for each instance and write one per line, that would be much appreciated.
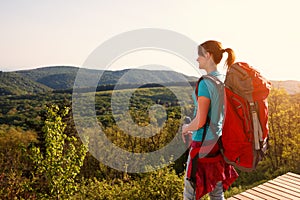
(203, 90)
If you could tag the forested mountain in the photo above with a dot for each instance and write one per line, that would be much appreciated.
(57, 77)
(63, 77)
(292, 87)
(12, 83)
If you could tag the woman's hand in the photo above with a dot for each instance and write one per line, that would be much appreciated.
(185, 132)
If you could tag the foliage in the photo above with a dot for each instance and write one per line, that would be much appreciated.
(13, 142)
(13, 185)
(14, 165)
(58, 166)
(284, 132)
(161, 184)
(27, 111)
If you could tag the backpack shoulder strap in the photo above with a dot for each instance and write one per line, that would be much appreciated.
(213, 79)
(219, 85)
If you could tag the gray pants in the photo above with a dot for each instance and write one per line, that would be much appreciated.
(189, 191)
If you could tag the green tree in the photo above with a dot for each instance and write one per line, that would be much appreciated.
(58, 166)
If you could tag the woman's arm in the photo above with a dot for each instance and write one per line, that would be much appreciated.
(201, 115)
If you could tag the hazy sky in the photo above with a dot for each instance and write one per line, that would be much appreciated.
(264, 33)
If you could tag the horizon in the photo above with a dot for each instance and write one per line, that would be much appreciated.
(54, 33)
(54, 66)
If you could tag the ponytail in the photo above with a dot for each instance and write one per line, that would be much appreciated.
(231, 57)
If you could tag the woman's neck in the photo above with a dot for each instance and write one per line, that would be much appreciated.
(211, 68)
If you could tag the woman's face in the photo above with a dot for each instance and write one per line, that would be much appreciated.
(202, 58)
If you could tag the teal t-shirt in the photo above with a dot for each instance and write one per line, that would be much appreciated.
(208, 89)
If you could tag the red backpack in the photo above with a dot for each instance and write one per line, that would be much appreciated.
(245, 128)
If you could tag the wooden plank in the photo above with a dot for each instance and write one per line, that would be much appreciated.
(284, 185)
(293, 194)
(294, 175)
(287, 183)
(266, 192)
(241, 197)
(281, 195)
(289, 180)
(251, 196)
(232, 198)
(291, 176)
(261, 195)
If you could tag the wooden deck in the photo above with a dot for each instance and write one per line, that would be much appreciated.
(283, 187)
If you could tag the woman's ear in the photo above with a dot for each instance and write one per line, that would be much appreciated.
(208, 55)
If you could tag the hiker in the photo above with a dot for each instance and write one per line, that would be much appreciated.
(206, 170)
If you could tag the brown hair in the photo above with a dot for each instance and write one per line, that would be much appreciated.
(216, 49)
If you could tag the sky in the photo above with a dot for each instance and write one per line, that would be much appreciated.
(263, 33)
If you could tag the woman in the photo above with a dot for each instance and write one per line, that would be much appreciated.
(207, 172)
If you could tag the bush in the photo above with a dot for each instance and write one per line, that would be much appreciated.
(160, 184)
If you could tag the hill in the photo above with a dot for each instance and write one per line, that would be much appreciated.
(292, 87)
(14, 84)
(56, 77)
(63, 77)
